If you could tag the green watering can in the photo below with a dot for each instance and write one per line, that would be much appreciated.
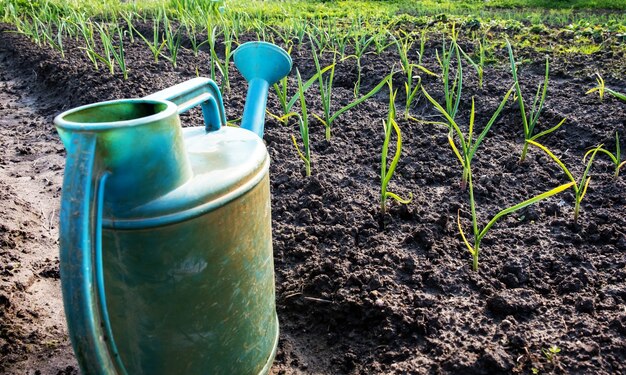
(165, 236)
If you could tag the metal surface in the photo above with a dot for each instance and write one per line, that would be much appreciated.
(262, 64)
(166, 251)
(195, 296)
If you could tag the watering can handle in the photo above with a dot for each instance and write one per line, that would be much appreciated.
(193, 92)
(81, 259)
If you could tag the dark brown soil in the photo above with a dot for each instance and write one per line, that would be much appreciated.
(357, 292)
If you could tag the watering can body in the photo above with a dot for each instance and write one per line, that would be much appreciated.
(166, 252)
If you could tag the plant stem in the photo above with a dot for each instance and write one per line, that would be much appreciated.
(477, 237)
(475, 256)
(524, 151)
(576, 210)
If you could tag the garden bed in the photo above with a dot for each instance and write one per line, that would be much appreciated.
(358, 292)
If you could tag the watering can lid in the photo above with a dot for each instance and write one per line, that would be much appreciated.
(226, 164)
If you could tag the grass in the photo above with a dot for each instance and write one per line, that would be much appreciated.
(559, 4)
(362, 25)
(281, 14)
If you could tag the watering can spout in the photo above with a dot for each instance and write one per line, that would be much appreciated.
(262, 64)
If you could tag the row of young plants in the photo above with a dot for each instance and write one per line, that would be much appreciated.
(464, 145)
(468, 145)
(167, 27)
(166, 41)
(193, 27)
(103, 41)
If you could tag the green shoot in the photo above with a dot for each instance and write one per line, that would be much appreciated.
(361, 42)
(615, 158)
(616, 94)
(478, 66)
(529, 120)
(192, 34)
(304, 129)
(111, 55)
(422, 46)
(411, 89)
(29, 29)
(280, 88)
(480, 234)
(172, 40)
(326, 89)
(107, 45)
(157, 44)
(451, 89)
(86, 29)
(340, 42)
(580, 187)
(284, 35)
(222, 66)
(551, 353)
(381, 43)
(55, 40)
(299, 29)
(601, 89)
(281, 92)
(211, 40)
(119, 55)
(128, 17)
(260, 30)
(468, 145)
(320, 36)
(387, 173)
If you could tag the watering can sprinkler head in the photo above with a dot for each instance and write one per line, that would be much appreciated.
(262, 60)
(262, 64)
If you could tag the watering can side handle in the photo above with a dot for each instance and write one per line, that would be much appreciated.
(197, 91)
(81, 260)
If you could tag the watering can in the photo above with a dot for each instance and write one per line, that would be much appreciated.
(165, 236)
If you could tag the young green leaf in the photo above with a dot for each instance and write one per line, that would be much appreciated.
(468, 146)
(580, 186)
(387, 173)
(615, 158)
(304, 128)
(530, 119)
(480, 234)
